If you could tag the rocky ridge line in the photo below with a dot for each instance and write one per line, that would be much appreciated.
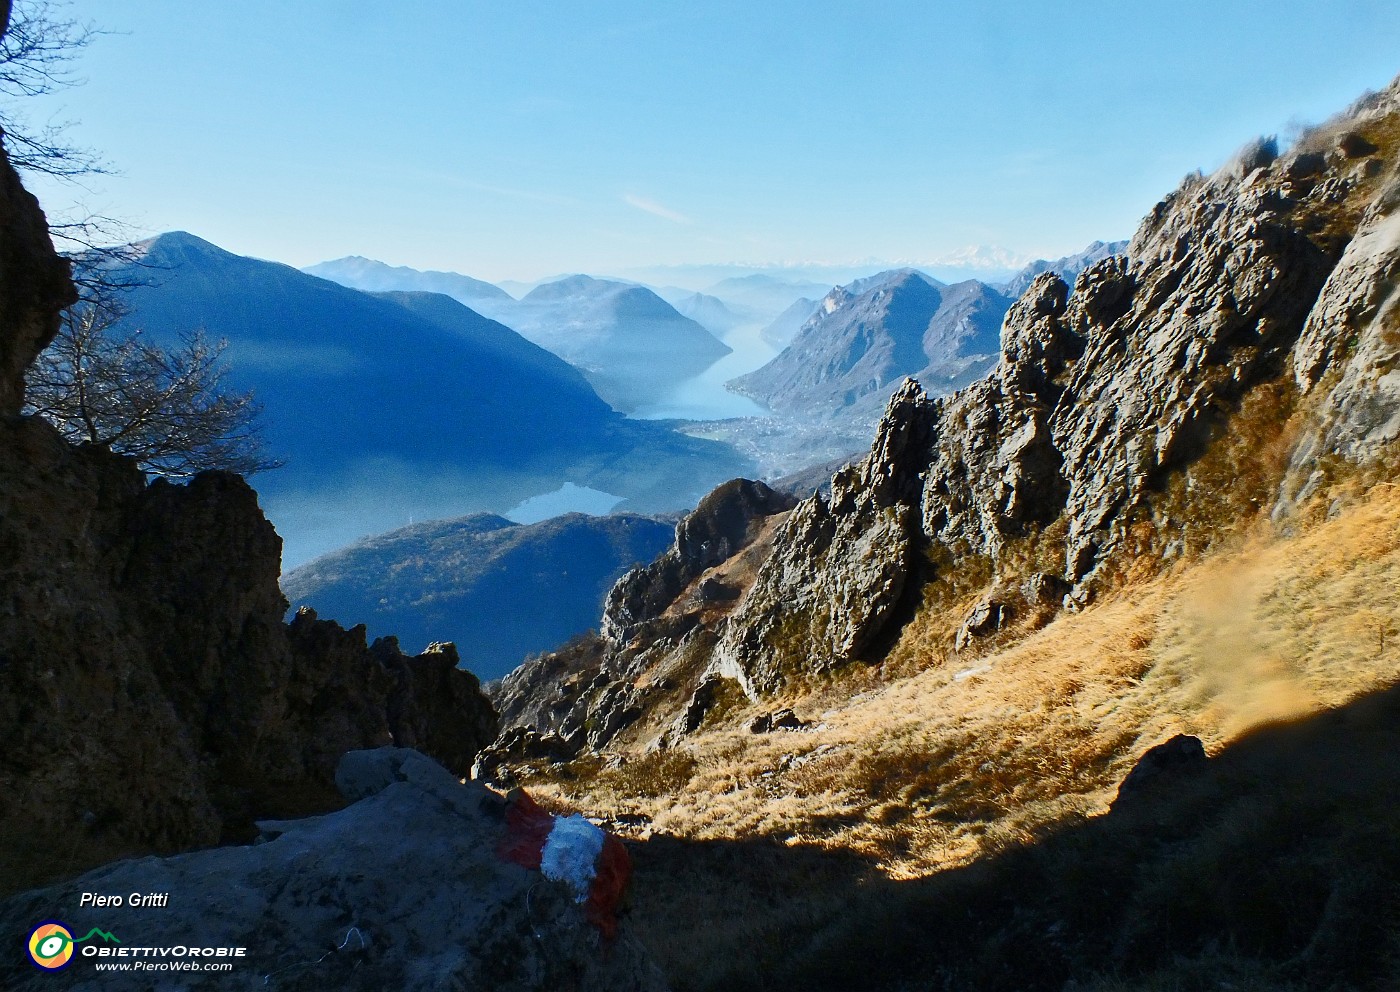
(1233, 281)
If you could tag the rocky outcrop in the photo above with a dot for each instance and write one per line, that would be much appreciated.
(1350, 348)
(1067, 268)
(658, 624)
(1103, 394)
(839, 565)
(404, 889)
(724, 523)
(1119, 419)
(34, 285)
(143, 653)
(151, 698)
(435, 705)
(519, 745)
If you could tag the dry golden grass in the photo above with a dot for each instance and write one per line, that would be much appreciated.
(973, 753)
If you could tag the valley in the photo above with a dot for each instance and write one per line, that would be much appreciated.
(879, 616)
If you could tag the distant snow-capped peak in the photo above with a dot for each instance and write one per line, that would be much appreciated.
(984, 257)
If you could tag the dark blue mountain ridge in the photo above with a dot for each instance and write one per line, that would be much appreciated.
(499, 590)
(340, 371)
(404, 405)
(632, 345)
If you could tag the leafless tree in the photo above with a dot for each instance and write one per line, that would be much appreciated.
(38, 52)
(171, 409)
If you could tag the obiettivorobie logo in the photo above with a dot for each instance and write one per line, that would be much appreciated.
(52, 947)
(51, 944)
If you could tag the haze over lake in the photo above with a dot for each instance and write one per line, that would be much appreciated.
(704, 396)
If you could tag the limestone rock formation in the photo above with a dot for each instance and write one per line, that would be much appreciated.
(1104, 394)
(839, 566)
(404, 889)
(1355, 328)
(658, 619)
(724, 522)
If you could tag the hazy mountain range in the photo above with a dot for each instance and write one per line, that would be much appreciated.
(499, 590)
(864, 338)
(982, 262)
(631, 345)
(784, 327)
(367, 274)
(710, 312)
(1068, 267)
(404, 405)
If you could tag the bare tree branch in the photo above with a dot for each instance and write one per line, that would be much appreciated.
(38, 55)
(169, 408)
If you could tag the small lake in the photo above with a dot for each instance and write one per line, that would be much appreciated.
(568, 498)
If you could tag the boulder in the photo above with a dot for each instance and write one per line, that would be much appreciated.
(1353, 145)
(405, 889)
(1180, 756)
(783, 719)
(986, 617)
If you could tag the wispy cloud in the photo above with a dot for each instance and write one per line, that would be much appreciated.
(655, 209)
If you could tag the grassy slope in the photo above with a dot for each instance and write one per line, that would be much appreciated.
(940, 765)
(946, 823)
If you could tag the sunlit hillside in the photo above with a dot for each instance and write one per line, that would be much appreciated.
(939, 758)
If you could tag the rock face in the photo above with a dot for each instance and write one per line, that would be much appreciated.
(660, 616)
(404, 889)
(151, 698)
(719, 528)
(839, 565)
(1273, 266)
(144, 654)
(1356, 327)
(34, 283)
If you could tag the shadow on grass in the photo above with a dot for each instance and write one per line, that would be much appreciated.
(1276, 867)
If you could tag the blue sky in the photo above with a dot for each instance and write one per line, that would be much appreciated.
(516, 139)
